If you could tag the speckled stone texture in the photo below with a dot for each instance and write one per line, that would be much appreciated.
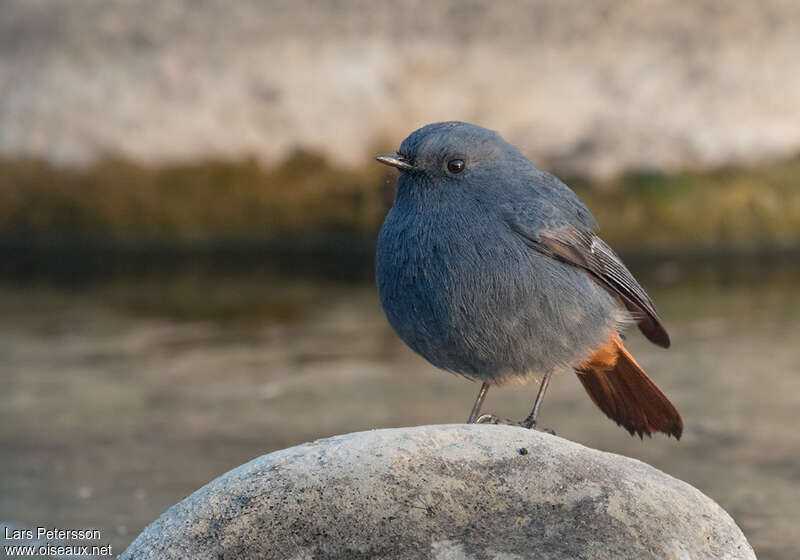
(444, 492)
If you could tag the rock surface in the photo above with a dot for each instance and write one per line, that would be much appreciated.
(444, 492)
(585, 87)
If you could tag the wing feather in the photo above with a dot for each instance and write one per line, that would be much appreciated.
(586, 250)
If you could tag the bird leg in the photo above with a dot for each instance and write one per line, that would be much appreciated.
(476, 408)
(530, 421)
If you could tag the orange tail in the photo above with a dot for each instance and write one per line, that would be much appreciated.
(621, 389)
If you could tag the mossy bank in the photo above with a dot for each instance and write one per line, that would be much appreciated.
(308, 197)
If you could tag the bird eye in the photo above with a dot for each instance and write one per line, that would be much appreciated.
(455, 165)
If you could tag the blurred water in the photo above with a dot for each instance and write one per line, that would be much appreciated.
(129, 383)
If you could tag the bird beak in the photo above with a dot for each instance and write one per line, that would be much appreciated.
(396, 160)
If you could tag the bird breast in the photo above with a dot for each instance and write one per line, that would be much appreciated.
(464, 291)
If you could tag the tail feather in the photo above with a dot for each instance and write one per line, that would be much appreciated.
(624, 392)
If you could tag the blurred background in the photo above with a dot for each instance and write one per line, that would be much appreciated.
(188, 209)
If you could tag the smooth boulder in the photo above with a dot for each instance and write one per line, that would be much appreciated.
(444, 492)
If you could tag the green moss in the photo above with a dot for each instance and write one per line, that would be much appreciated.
(205, 200)
(305, 195)
(730, 207)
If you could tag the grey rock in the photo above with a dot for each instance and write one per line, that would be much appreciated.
(444, 492)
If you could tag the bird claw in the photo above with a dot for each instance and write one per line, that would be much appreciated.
(492, 419)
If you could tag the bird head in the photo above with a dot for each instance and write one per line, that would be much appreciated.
(453, 151)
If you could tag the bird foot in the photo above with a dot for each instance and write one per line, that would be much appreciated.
(492, 419)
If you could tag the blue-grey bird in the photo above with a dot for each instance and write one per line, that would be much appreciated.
(488, 267)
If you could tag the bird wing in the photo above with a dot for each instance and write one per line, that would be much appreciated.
(586, 250)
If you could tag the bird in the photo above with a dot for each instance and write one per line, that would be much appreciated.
(490, 267)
